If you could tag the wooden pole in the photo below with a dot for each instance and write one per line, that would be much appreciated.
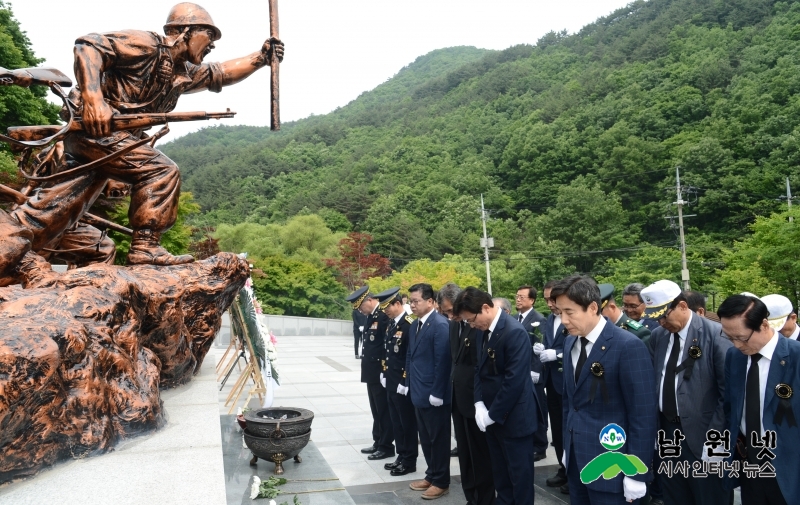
(274, 87)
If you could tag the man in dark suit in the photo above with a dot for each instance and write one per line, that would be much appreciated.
(371, 369)
(428, 366)
(534, 322)
(552, 359)
(401, 410)
(506, 406)
(689, 358)
(608, 380)
(762, 376)
(359, 320)
(473, 453)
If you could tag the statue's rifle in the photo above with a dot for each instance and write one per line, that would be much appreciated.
(118, 122)
(274, 83)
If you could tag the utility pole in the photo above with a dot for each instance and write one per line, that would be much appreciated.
(680, 203)
(486, 243)
(789, 197)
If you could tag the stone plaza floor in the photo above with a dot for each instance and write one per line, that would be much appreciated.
(320, 373)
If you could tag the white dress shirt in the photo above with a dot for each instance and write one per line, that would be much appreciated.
(556, 324)
(763, 374)
(494, 322)
(796, 333)
(524, 315)
(591, 337)
(681, 341)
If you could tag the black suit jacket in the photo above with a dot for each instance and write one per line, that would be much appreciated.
(464, 349)
(536, 336)
(397, 336)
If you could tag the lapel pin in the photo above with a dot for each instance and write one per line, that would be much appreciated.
(783, 362)
(603, 348)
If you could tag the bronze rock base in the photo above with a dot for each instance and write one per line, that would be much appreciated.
(83, 354)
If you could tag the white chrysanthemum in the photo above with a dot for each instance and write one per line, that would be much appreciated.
(255, 488)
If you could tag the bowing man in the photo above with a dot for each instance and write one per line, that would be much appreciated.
(762, 378)
(609, 382)
(506, 406)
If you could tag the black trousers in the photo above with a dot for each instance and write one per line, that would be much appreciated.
(554, 406)
(512, 467)
(680, 490)
(404, 426)
(540, 435)
(356, 340)
(381, 422)
(473, 459)
(434, 437)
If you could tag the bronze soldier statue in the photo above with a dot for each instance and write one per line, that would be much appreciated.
(135, 72)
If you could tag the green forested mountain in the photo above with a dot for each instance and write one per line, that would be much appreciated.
(573, 142)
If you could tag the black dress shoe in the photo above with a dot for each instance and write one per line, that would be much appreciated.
(538, 456)
(454, 452)
(402, 470)
(392, 466)
(564, 489)
(369, 450)
(380, 455)
(557, 480)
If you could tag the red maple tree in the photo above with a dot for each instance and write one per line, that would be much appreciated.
(357, 264)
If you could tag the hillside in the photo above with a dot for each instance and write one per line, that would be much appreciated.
(573, 142)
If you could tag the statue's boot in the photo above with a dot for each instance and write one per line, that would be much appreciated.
(145, 250)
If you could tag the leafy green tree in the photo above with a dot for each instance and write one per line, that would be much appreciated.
(768, 261)
(176, 240)
(287, 286)
(435, 273)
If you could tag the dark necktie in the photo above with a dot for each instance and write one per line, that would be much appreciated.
(519, 318)
(669, 404)
(752, 407)
(581, 359)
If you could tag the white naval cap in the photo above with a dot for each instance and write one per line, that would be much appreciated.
(780, 308)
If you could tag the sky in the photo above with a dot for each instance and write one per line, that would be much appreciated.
(335, 50)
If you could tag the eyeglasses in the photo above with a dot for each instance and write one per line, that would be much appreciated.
(667, 313)
(416, 302)
(632, 306)
(521, 297)
(470, 321)
(739, 340)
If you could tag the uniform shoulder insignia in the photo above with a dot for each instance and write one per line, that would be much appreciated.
(409, 319)
(635, 324)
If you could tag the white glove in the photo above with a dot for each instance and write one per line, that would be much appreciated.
(361, 329)
(633, 489)
(535, 377)
(436, 402)
(547, 355)
(480, 410)
(383, 381)
(402, 390)
(564, 460)
(711, 459)
(538, 348)
(487, 421)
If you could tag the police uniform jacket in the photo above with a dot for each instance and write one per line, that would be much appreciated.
(464, 343)
(373, 349)
(396, 341)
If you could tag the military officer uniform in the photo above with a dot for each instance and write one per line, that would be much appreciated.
(371, 369)
(401, 410)
(623, 321)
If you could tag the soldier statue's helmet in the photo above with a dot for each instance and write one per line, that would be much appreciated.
(358, 296)
(385, 298)
(191, 14)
